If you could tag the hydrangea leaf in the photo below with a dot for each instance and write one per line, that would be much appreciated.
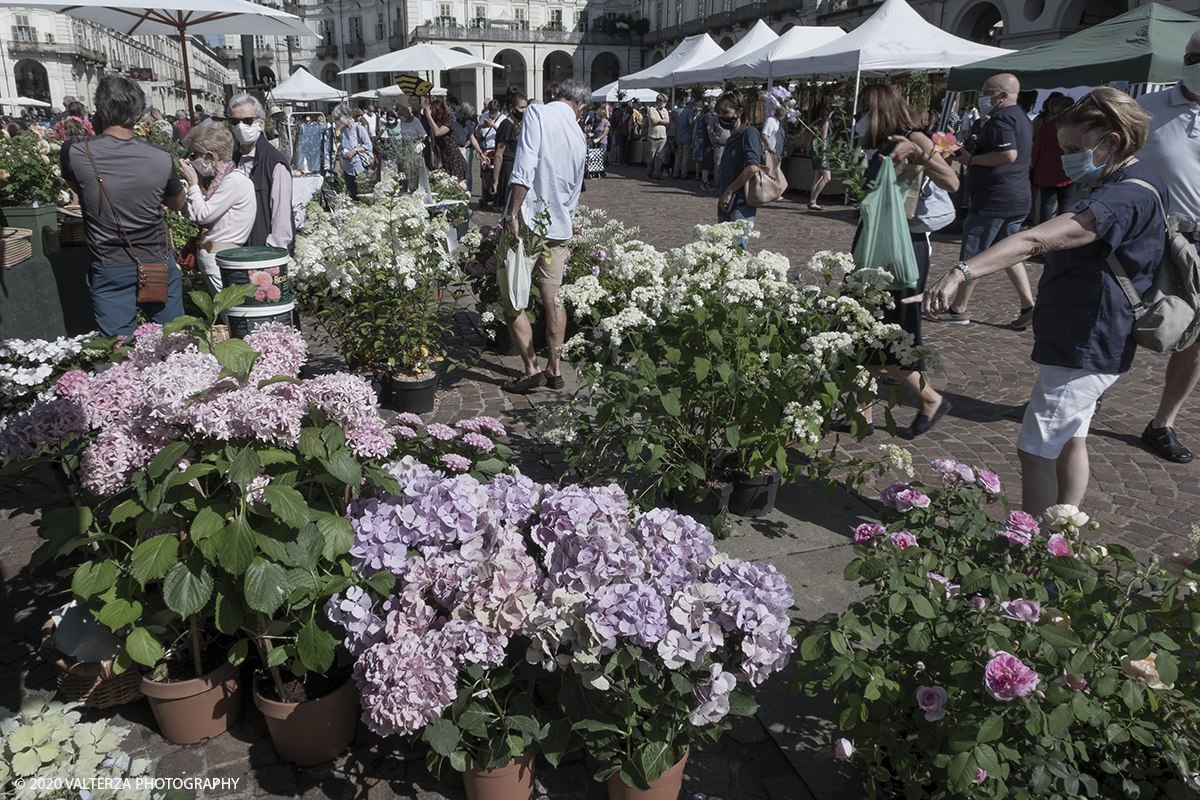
(187, 588)
(153, 558)
(264, 585)
(443, 736)
(315, 647)
(143, 647)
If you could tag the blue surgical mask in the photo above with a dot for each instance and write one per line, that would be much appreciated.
(1191, 78)
(984, 105)
(1079, 167)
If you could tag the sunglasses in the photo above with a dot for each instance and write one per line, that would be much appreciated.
(1191, 59)
(1104, 109)
(243, 120)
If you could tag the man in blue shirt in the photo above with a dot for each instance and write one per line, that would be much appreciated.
(683, 139)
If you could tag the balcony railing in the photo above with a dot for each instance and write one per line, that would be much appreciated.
(355, 49)
(327, 51)
(784, 6)
(264, 53)
(693, 27)
(55, 48)
(749, 13)
(501, 34)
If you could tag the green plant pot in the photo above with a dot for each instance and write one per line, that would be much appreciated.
(43, 221)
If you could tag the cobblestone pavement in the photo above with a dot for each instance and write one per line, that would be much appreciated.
(1142, 501)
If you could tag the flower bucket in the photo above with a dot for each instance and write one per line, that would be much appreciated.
(314, 731)
(754, 497)
(416, 397)
(201, 708)
(513, 781)
(664, 787)
(265, 266)
(244, 319)
(703, 510)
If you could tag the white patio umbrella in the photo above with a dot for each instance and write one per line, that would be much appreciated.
(421, 58)
(304, 87)
(180, 18)
(22, 101)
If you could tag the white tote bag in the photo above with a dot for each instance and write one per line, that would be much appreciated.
(520, 275)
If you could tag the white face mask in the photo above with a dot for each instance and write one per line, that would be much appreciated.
(1191, 78)
(203, 169)
(246, 134)
(861, 127)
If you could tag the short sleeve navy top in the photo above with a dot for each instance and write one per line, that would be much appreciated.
(1082, 319)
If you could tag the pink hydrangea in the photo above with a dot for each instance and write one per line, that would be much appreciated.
(281, 351)
(456, 463)
(1006, 678)
(1021, 610)
(441, 432)
(44, 425)
(932, 700)
(70, 382)
(902, 539)
(478, 441)
(1058, 545)
(868, 533)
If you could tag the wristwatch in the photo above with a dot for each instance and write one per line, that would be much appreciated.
(964, 269)
(507, 218)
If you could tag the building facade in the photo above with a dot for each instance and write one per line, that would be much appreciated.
(48, 56)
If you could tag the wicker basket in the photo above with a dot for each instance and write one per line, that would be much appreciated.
(93, 684)
(70, 229)
(16, 245)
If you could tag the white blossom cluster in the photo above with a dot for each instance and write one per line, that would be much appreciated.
(28, 367)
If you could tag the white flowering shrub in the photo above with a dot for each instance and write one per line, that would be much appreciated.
(30, 367)
(371, 275)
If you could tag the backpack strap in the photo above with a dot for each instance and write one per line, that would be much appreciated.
(1114, 265)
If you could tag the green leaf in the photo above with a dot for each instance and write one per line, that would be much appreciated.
(922, 606)
(243, 467)
(1060, 720)
(1168, 667)
(1131, 693)
(187, 588)
(236, 356)
(655, 758)
(342, 465)
(119, 612)
(961, 771)
(93, 578)
(920, 637)
(1068, 568)
(315, 647)
(442, 735)
(167, 458)
(555, 740)
(311, 445)
(1059, 637)
(701, 367)
(287, 504)
(670, 402)
(338, 533)
(143, 647)
(206, 532)
(154, 557)
(125, 511)
(277, 657)
(264, 585)
(237, 546)
(991, 729)
(742, 704)
(229, 616)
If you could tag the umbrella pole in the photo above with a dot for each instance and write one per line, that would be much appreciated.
(853, 114)
(187, 76)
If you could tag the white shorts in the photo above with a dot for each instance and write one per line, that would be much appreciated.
(1060, 408)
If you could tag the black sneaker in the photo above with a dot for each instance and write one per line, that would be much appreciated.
(1164, 442)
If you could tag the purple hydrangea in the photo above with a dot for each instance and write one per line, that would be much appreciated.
(440, 432)
(633, 612)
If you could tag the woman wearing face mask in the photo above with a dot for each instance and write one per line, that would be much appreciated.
(506, 145)
(225, 211)
(1082, 323)
(355, 147)
(741, 160)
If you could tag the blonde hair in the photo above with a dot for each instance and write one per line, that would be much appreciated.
(210, 137)
(1107, 109)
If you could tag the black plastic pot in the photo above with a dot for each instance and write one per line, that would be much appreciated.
(702, 509)
(416, 397)
(754, 497)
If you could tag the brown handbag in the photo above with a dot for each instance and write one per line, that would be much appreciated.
(768, 183)
(153, 280)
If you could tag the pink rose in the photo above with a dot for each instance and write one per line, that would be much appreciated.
(889, 494)
(989, 482)
(965, 473)
(932, 699)
(1006, 678)
(868, 533)
(260, 295)
(951, 589)
(980, 775)
(1058, 545)
(273, 293)
(1075, 684)
(1022, 610)
(943, 466)
(910, 499)
(1020, 521)
(902, 539)
(1015, 536)
(260, 278)
(978, 603)
(272, 271)
(842, 749)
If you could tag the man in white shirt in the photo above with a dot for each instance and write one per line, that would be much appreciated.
(547, 177)
(1173, 149)
(372, 121)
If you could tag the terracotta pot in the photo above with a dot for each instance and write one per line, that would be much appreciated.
(312, 732)
(664, 787)
(513, 781)
(201, 708)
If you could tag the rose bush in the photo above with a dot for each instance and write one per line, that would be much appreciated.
(1008, 657)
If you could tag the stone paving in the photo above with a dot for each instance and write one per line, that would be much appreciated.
(1142, 501)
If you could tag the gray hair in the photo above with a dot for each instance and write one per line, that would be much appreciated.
(574, 91)
(342, 110)
(247, 99)
(119, 101)
(210, 137)
(466, 110)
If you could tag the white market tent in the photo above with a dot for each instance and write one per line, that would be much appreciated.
(692, 51)
(713, 71)
(797, 41)
(608, 94)
(895, 39)
(420, 58)
(304, 87)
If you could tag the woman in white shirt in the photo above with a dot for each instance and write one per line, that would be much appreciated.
(225, 211)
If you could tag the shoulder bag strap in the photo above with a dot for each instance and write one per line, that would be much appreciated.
(1114, 265)
(111, 205)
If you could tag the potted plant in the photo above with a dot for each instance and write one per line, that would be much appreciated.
(31, 187)
(451, 201)
(372, 277)
(212, 486)
(1008, 658)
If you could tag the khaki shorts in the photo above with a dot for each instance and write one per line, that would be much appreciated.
(544, 272)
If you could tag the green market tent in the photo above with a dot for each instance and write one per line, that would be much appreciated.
(1144, 45)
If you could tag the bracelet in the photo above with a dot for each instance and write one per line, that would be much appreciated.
(964, 269)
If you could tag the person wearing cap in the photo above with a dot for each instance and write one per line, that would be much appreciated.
(283, 134)
(274, 223)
